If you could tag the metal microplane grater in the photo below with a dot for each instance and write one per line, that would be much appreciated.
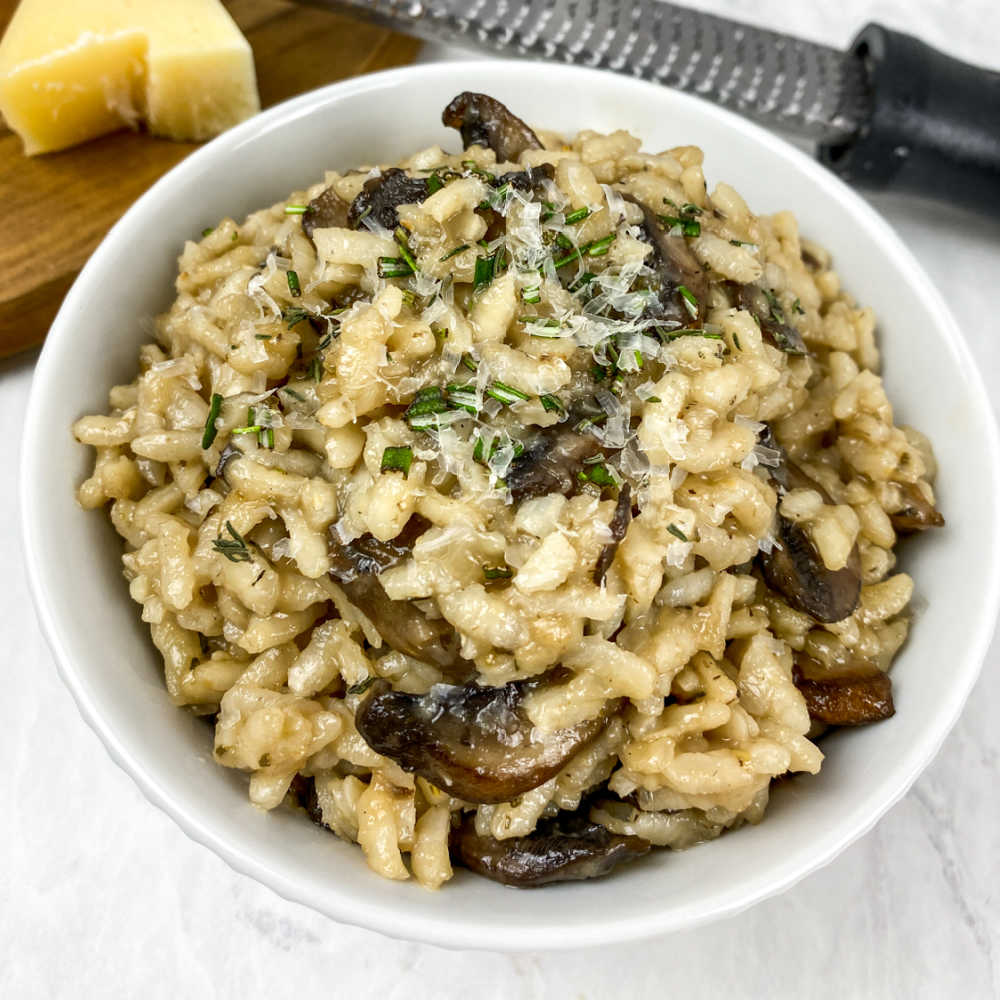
(889, 112)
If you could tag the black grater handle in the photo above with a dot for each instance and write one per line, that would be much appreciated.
(934, 128)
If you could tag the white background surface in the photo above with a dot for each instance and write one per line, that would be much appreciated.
(102, 896)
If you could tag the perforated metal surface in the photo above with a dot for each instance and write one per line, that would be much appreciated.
(780, 81)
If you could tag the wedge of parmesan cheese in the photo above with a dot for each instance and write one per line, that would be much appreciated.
(72, 70)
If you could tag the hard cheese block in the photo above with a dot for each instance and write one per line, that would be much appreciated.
(71, 70)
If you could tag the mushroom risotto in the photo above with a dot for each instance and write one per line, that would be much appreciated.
(521, 508)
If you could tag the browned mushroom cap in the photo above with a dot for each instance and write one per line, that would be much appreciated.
(476, 743)
(917, 512)
(550, 463)
(403, 626)
(619, 525)
(381, 197)
(763, 305)
(326, 211)
(678, 271)
(798, 573)
(484, 121)
(850, 696)
(558, 851)
(794, 568)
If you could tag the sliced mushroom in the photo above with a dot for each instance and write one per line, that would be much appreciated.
(619, 525)
(550, 463)
(794, 567)
(850, 696)
(403, 626)
(558, 851)
(326, 211)
(529, 178)
(917, 512)
(762, 304)
(678, 270)
(484, 121)
(476, 743)
(382, 195)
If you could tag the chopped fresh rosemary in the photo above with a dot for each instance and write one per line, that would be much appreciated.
(578, 216)
(598, 248)
(452, 253)
(585, 279)
(267, 438)
(434, 184)
(362, 686)
(402, 241)
(473, 168)
(690, 300)
(551, 404)
(687, 225)
(397, 460)
(598, 474)
(531, 295)
(233, 548)
(214, 409)
(315, 369)
(668, 335)
(293, 394)
(470, 362)
(676, 532)
(736, 342)
(486, 269)
(296, 314)
(294, 288)
(262, 336)
(505, 394)
(462, 397)
(295, 209)
(393, 267)
(426, 404)
(503, 572)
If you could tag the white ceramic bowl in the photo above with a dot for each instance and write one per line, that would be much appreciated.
(114, 673)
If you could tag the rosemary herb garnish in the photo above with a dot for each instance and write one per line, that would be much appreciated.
(551, 403)
(294, 288)
(233, 548)
(362, 686)
(578, 216)
(213, 414)
(503, 572)
(676, 532)
(397, 460)
(295, 209)
(295, 314)
(452, 253)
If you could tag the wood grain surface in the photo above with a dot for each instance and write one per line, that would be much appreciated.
(56, 208)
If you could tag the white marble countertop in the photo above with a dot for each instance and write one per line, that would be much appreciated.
(101, 895)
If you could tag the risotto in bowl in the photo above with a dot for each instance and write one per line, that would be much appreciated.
(524, 504)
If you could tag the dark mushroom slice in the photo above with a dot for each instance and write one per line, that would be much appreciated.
(798, 573)
(529, 178)
(326, 211)
(551, 463)
(382, 195)
(484, 121)
(678, 271)
(794, 568)
(619, 525)
(558, 851)
(853, 695)
(476, 743)
(763, 306)
(917, 512)
(403, 627)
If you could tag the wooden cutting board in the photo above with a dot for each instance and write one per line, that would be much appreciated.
(56, 208)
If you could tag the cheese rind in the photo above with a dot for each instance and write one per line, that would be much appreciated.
(70, 71)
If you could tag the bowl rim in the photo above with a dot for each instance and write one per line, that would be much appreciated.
(452, 931)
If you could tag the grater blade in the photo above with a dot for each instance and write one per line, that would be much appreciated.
(780, 81)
